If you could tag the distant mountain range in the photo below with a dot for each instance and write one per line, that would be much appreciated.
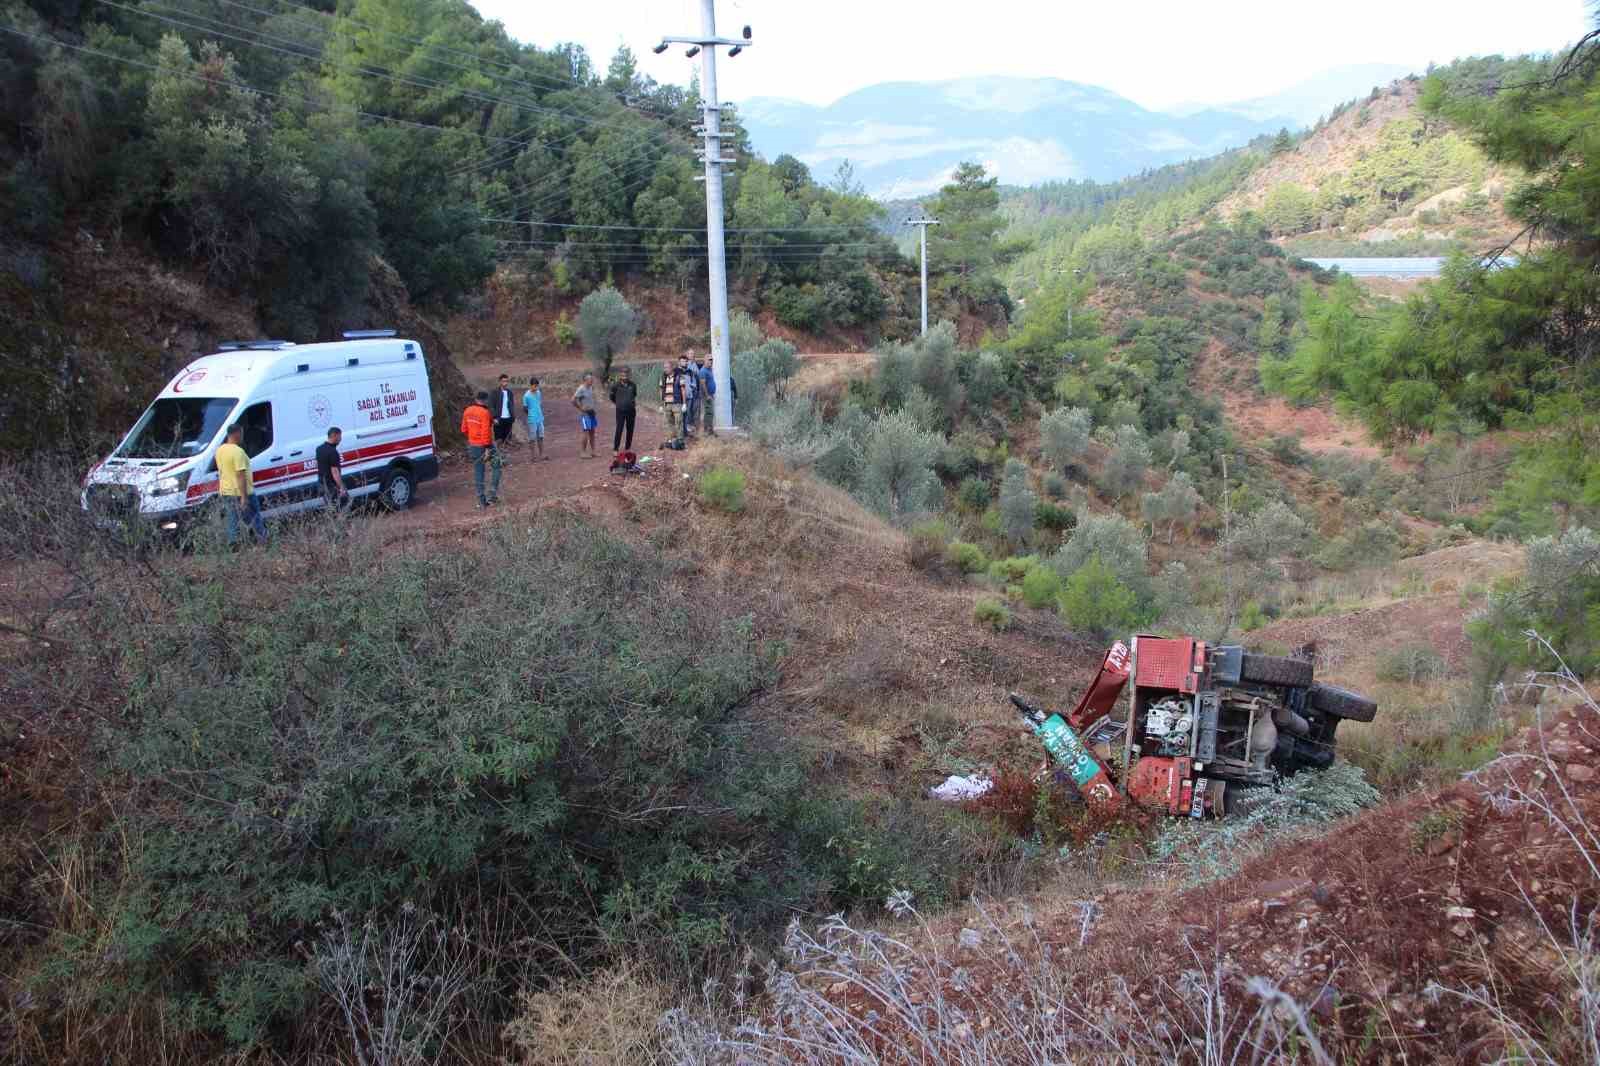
(904, 138)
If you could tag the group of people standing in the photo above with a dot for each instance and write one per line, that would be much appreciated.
(687, 392)
(687, 388)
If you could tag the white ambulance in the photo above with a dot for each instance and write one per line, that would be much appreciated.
(372, 385)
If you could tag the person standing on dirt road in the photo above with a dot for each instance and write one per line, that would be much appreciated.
(236, 487)
(624, 395)
(588, 420)
(477, 425)
(329, 475)
(672, 399)
(706, 387)
(533, 411)
(503, 406)
(691, 407)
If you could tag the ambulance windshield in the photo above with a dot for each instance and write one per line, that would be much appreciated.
(177, 426)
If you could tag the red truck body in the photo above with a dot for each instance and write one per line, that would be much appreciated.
(1203, 721)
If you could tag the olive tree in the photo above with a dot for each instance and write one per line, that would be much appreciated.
(1018, 503)
(607, 324)
(1066, 433)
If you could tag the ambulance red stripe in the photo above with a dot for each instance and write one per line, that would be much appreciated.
(300, 468)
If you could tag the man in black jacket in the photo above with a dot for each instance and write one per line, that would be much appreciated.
(501, 405)
(625, 395)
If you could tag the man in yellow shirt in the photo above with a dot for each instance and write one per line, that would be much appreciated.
(238, 495)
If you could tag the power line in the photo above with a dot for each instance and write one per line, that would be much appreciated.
(553, 84)
(366, 71)
(689, 229)
(556, 83)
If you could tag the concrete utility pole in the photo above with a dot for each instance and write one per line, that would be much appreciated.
(705, 46)
(922, 225)
(1070, 298)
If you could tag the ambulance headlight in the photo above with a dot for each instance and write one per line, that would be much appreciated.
(168, 485)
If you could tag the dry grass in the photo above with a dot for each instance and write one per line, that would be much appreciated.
(607, 1019)
(1003, 990)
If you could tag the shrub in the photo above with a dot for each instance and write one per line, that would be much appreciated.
(749, 373)
(992, 613)
(1055, 486)
(1013, 569)
(607, 323)
(1017, 503)
(1054, 517)
(792, 430)
(968, 558)
(743, 333)
(779, 361)
(1252, 617)
(608, 1017)
(1177, 502)
(1311, 797)
(927, 543)
(1174, 593)
(566, 334)
(924, 410)
(1113, 540)
(1066, 433)
(897, 477)
(1129, 459)
(1271, 532)
(1093, 600)
(1041, 587)
(407, 777)
(800, 306)
(974, 494)
(958, 459)
(1286, 449)
(723, 489)
(1412, 663)
(986, 380)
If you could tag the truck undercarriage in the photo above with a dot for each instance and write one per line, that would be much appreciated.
(1204, 724)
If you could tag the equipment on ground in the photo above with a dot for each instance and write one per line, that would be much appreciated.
(1205, 724)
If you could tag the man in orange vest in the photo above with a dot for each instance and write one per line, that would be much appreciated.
(477, 425)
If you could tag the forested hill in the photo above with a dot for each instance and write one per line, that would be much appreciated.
(1378, 175)
(279, 147)
(1379, 169)
(281, 162)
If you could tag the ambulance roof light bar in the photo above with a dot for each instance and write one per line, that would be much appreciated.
(366, 334)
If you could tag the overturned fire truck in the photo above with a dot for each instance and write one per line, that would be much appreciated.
(1205, 723)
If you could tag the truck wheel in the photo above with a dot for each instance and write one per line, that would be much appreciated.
(398, 489)
(1275, 670)
(1342, 703)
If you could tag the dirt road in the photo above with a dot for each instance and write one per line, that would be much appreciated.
(452, 501)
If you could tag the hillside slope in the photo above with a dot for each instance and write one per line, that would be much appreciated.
(1377, 170)
(92, 329)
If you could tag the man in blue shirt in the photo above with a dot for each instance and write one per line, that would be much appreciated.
(706, 390)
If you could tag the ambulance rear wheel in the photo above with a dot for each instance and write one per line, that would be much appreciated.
(399, 488)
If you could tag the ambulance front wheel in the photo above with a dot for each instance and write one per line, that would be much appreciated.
(399, 488)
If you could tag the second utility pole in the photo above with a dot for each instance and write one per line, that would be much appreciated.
(705, 46)
(922, 224)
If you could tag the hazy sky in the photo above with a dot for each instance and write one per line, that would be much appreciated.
(1157, 53)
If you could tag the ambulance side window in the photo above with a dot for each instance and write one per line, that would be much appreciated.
(257, 419)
